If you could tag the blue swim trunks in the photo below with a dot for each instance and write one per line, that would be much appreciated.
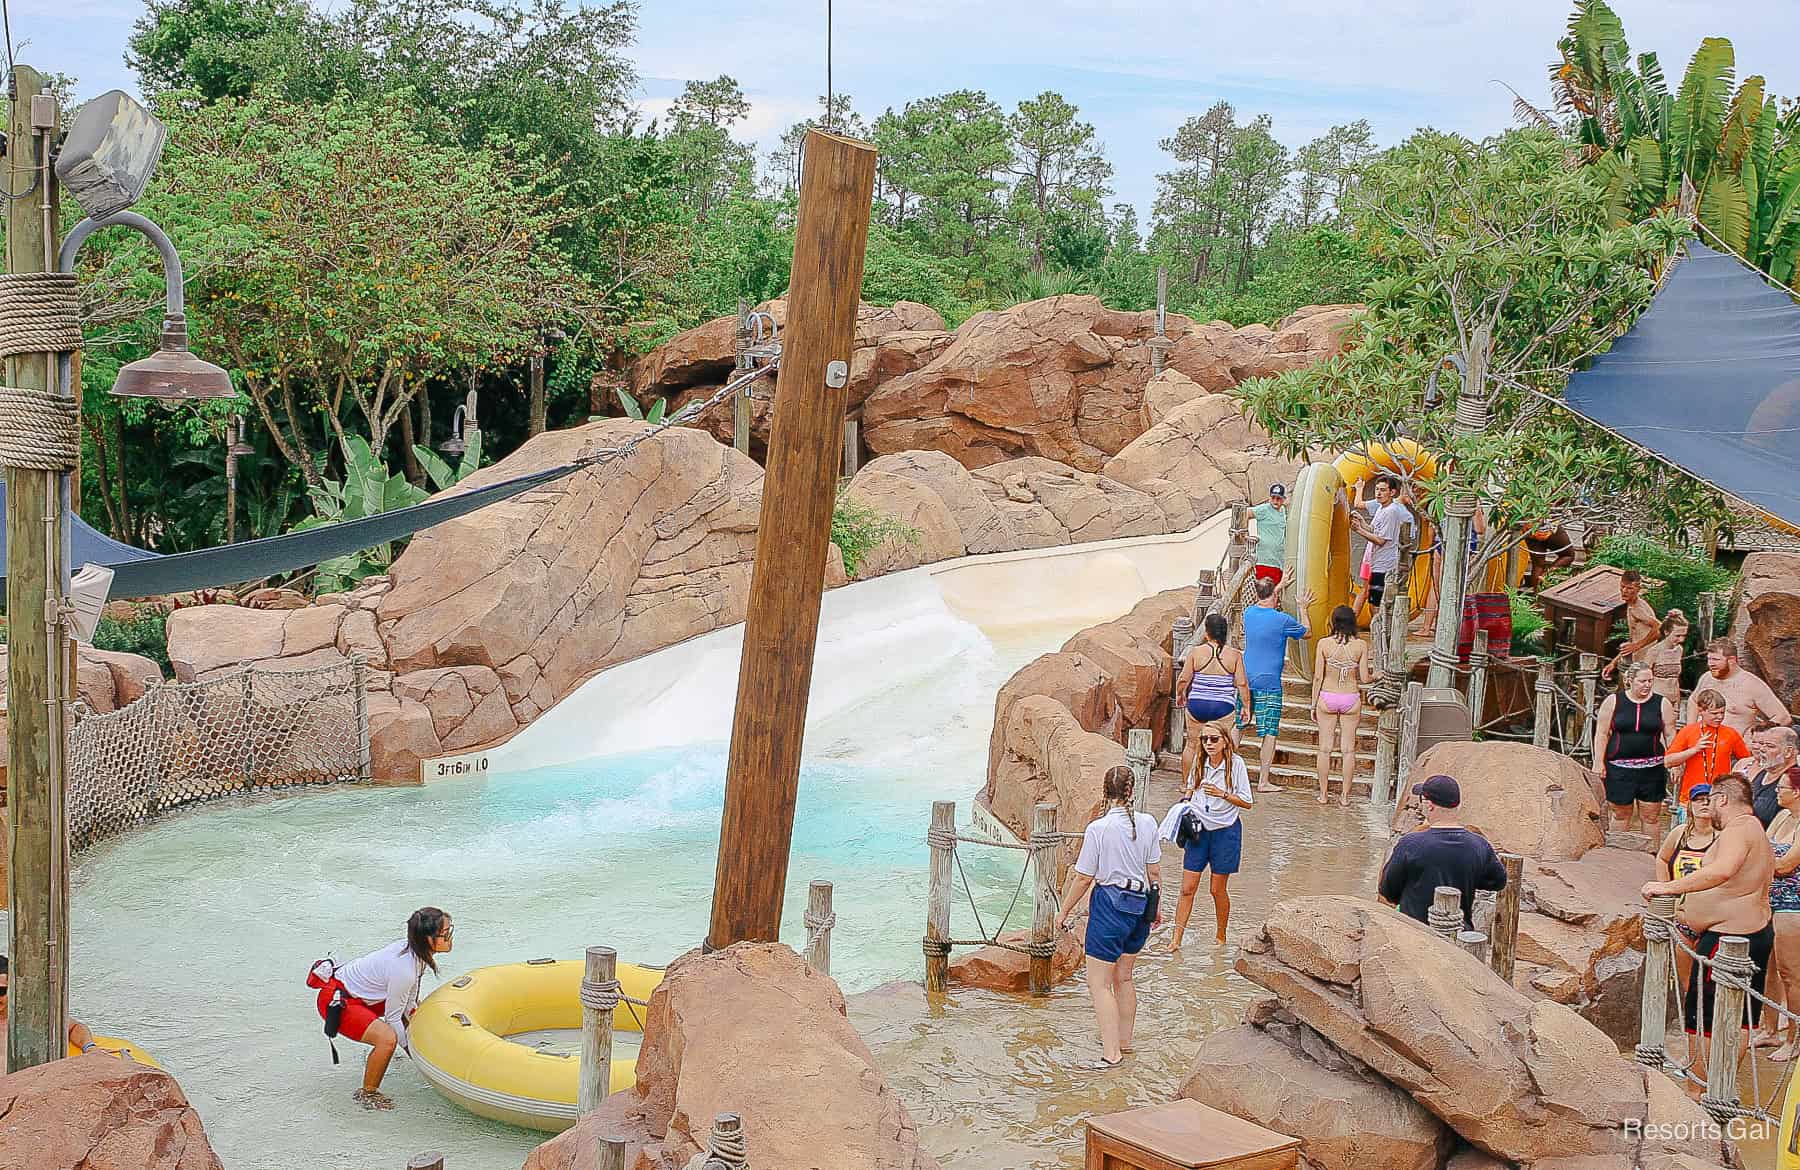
(1266, 706)
(1117, 924)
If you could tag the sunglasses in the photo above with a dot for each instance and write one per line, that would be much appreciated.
(1211, 738)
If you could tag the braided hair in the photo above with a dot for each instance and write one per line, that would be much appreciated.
(1116, 789)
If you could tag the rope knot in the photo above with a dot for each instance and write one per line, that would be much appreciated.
(941, 839)
(601, 995)
(937, 948)
(37, 430)
(816, 923)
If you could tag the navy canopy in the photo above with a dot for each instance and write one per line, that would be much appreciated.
(90, 544)
(1709, 378)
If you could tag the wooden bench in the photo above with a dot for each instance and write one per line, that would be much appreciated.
(1185, 1135)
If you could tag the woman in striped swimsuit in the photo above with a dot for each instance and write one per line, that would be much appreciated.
(1784, 900)
(1213, 679)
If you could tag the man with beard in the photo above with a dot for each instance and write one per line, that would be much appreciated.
(1746, 696)
(1728, 894)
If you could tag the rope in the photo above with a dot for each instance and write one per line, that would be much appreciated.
(816, 924)
(38, 313)
(727, 1149)
(948, 839)
(37, 430)
(602, 995)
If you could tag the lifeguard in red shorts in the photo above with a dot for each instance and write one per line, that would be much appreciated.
(1268, 532)
(372, 999)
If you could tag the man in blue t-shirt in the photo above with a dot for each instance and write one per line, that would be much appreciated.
(1266, 634)
(1443, 853)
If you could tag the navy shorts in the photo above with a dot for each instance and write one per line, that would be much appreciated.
(1222, 849)
(1207, 710)
(1117, 924)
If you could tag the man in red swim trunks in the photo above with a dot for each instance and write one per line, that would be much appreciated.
(1268, 532)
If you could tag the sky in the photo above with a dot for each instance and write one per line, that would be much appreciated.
(1135, 68)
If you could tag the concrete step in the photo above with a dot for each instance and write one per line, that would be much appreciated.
(1303, 756)
(1284, 776)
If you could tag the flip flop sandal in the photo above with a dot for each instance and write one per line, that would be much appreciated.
(371, 1099)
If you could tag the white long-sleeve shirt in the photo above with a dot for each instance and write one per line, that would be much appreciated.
(389, 976)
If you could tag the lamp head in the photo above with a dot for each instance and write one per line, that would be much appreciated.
(110, 152)
(172, 374)
(454, 445)
(238, 448)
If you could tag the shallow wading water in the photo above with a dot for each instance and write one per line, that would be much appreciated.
(193, 936)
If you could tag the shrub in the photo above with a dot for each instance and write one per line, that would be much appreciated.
(145, 634)
(1684, 576)
(857, 528)
(1528, 622)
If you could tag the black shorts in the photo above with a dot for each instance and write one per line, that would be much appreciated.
(1640, 785)
(1762, 945)
(1377, 585)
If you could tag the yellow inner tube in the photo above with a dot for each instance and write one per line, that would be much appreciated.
(119, 1047)
(459, 1039)
(1318, 549)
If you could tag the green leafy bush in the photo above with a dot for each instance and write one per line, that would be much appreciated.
(145, 634)
(1684, 576)
(1528, 622)
(857, 528)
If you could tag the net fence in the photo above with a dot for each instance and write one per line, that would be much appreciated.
(246, 731)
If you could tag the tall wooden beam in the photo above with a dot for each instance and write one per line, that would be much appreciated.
(781, 627)
(37, 873)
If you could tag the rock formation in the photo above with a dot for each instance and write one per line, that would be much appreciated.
(1366, 992)
(1210, 450)
(97, 1112)
(1766, 619)
(750, 1030)
(1064, 378)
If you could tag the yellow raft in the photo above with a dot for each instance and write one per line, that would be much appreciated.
(1318, 548)
(118, 1047)
(459, 1039)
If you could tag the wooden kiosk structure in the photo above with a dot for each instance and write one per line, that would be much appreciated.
(1583, 611)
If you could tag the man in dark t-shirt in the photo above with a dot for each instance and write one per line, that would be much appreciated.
(1776, 752)
(1441, 854)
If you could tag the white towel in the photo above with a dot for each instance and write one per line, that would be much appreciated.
(1172, 821)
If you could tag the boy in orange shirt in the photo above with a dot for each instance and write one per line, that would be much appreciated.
(1707, 748)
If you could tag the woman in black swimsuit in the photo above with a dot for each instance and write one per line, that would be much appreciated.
(1630, 731)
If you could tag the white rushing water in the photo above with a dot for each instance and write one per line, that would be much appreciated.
(599, 824)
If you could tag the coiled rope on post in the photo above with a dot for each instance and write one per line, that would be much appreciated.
(600, 994)
(816, 923)
(38, 315)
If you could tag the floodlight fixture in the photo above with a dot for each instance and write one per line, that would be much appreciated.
(88, 590)
(109, 154)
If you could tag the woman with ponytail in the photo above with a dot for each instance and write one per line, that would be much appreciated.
(372, 999)
(1118, 862)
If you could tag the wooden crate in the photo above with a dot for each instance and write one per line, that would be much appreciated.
(1185, 1135)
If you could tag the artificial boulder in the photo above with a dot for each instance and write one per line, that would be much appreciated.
(1045, 503)
(750, 1030)
(98, 1112)
(1284, 1077)
(1006, 968)
(1523, 1080)
(1526, 800)
(1766, 619)
(1581, 935)
(1206, 446)
(205, 640)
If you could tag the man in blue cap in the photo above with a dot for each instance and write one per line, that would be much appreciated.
(1443, 853)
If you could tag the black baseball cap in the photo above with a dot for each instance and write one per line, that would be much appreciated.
(1278, 491)
(1439, 790)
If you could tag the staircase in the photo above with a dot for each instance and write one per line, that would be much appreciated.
(1297, 750)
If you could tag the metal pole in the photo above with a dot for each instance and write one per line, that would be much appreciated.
(599, 983)
(230, 489)
(937, 903)
(1545, 710)
(38, 861)
(1732, 959)
(740, 402)
(1043, 916)
(1459, 507)
(1590, 698)
(1653, 1007)
(781, 623)
(1505, 931)
(819, 921)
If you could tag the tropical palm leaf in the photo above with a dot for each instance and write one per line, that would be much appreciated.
(1698, 119)
(1725, 210)
(1739, 135)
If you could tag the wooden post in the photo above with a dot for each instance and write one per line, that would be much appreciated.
(852, 448)
(429, 1160)
(1140, 755)
(1453, 540)
(1653, 1007)
(1387, 752)
(1445, 915)
(1409, 735)
(781, 626)
(612, 1154)
(1721, 1095)
(1043, 915)
(1179, 639)
(598, 978)
(1590, 700)
(819, 921)
(1546, 706)
(1474, 942)
(725, 1149)
(1505, 931)
(1159, 342)
(1478, 679)
(37, 872)
(1237, 551)
(937, 904)
(740, 402)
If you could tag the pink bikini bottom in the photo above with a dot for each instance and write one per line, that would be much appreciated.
(1339, 702)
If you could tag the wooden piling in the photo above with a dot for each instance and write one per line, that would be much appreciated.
(600, 975)
(1478, 679)
(612, 1154)
(819, 921)
(1653, 1006)
(781, 625)
(1140, 755)
(1409, 736)
(1387, 752)
(1179, 638)
(1043, 915)
(740, 402)
(1474, 942)
(1546, 706)
(852, 448)
(1505, 931)
(1445, 915)
(1589, 668)
(429, 1160)
(1728, 1031)
(937, 904)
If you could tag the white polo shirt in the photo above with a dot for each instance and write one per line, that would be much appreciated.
(1230, 775)
(1111, 856)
